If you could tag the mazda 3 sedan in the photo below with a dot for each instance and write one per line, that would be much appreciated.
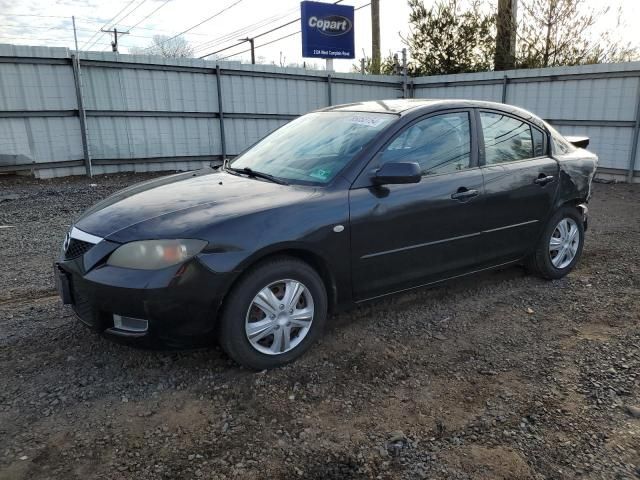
(337, 207)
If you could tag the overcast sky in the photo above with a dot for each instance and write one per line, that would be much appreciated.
(48, 22)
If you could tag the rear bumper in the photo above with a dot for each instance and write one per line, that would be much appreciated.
(180, 304)
(585, 215)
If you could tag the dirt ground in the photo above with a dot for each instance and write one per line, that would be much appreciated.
(499, 376)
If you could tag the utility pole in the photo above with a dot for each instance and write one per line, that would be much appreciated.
(253, 50)
(507, 24)
(375, 36)
(114, 43)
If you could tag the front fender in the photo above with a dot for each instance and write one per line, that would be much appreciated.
(307, 230)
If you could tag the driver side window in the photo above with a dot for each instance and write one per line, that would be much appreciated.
(439, 144)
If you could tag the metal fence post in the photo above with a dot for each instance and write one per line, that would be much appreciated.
(329, 89)
(223, 139)
(634, 138)
(505, 82)
(75, 62)
(404, 73)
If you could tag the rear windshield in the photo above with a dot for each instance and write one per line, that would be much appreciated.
(315, 147)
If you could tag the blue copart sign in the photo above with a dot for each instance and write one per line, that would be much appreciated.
(327, 30)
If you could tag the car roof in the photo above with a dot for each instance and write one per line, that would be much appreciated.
(397, 105)
(400, 106)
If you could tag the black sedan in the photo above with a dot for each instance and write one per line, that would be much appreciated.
(337, 207)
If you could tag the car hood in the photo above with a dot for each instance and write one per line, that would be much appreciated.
(183, 205)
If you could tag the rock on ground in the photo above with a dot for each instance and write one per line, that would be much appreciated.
(392, 391)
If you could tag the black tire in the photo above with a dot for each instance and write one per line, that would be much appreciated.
(233, 338)
(540, 261)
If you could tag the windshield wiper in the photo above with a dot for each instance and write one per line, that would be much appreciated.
(253, 173)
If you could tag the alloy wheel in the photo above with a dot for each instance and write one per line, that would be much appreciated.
(564, 243)
(279, 317)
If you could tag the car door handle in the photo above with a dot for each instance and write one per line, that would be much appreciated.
(463, 194)
(543, 180)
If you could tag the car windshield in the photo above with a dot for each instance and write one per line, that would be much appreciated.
(313, 148)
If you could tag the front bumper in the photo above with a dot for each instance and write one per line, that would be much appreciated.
(180, 303)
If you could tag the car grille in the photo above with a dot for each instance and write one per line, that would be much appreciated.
(83, 308)
(76, 248)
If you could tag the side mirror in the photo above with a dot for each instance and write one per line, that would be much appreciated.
(398, 172)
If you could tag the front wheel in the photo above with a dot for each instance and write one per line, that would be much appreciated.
(274, 314)
(561, 244)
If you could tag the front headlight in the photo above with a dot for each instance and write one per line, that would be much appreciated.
(155, 254)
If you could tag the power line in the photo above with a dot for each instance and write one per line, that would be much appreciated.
(237, 33)
(149, 15)
(201, 46)
(91, 20)
(34, 38)
(255, 36)
(260, 35)
(118, 21)
(51, 27)
(86, 20)
(198, 24)
(243, 31)
(275, 40)
(261, 45)
(54, 27)
(108, 22)
(44, 16)
(135, 8)
(159, 31)
(142, 20)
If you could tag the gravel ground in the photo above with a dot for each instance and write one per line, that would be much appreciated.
(502, 375)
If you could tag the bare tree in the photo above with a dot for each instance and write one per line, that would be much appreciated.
(560, 32)
(168, 47)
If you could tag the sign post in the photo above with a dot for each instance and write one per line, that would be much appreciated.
(327, 31)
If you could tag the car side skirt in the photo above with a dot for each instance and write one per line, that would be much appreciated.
(435, 282)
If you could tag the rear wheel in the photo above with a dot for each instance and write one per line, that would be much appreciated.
(274, 314)
(560, 246)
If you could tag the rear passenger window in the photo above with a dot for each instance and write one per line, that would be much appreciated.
(439, 144)
(506, 139)
(538, 142)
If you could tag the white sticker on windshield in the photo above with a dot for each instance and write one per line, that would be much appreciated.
(366, 121)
